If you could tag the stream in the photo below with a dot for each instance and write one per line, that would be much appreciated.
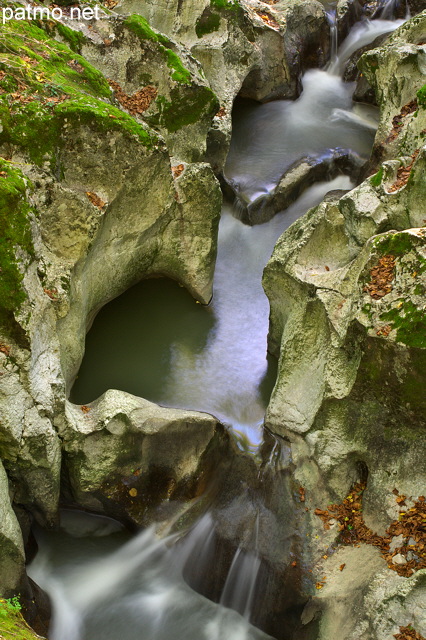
(104, 583)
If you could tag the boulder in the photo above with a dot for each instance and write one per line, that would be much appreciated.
(134, 460)
(12, 555)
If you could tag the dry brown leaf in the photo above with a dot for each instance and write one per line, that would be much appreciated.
(95, 200)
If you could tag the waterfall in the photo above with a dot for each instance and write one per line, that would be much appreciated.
(103, 589)
(332, 21)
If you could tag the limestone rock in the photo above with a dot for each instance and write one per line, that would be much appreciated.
(382, 601)
(403, 60)
(346, 285)
(12, 556)
(95, 208)
(125, 456)
(245, 48)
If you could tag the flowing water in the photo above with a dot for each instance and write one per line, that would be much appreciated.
(322, 119)
(156, 342)
(106, 586)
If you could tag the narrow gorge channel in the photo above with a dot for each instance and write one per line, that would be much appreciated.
(213, 320)
(156, 343)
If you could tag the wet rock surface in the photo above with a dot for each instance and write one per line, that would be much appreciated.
(347, 317)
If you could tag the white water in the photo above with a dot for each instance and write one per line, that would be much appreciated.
(225, 378)
(361, 34)
(102, 589)
(321, 119)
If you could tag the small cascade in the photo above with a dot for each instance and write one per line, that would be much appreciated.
(240, 583)
(388, 9)
(102, 589)
(332, 21)
(361, 34)
(322, 120)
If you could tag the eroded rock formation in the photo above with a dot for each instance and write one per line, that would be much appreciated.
(110, 141)
(346, 285)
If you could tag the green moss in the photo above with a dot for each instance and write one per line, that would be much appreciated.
(396, 244)
(143, 30)
(409, 322)
(31, 127)
(207, 23)
(55, 85)
(421, 96)
(47, 62)
(105, 117)
(14, 232)
(377, 178)
(179, 72)
(367, 310)
(186, 108)
(75, 39)
(12, 624)
(230, 5)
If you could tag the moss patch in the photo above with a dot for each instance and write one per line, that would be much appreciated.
(74, 39)
(179, 72)
(208, 22)
(42, 84)
(14, 232)
(141, 27)
(12, 624)
(186, 108)
(143, 30)
(230, 5)
(30, 54)
(409, 322)
(376, 179)
(421, 96)
(396, 244)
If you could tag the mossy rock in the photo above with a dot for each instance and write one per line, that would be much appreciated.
(14, 232)
(52, 85)
(400, 312)
(185, 108)
(141, 27)
(208, 22)
(12, 624)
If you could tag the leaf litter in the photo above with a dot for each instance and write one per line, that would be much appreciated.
(411, 525)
